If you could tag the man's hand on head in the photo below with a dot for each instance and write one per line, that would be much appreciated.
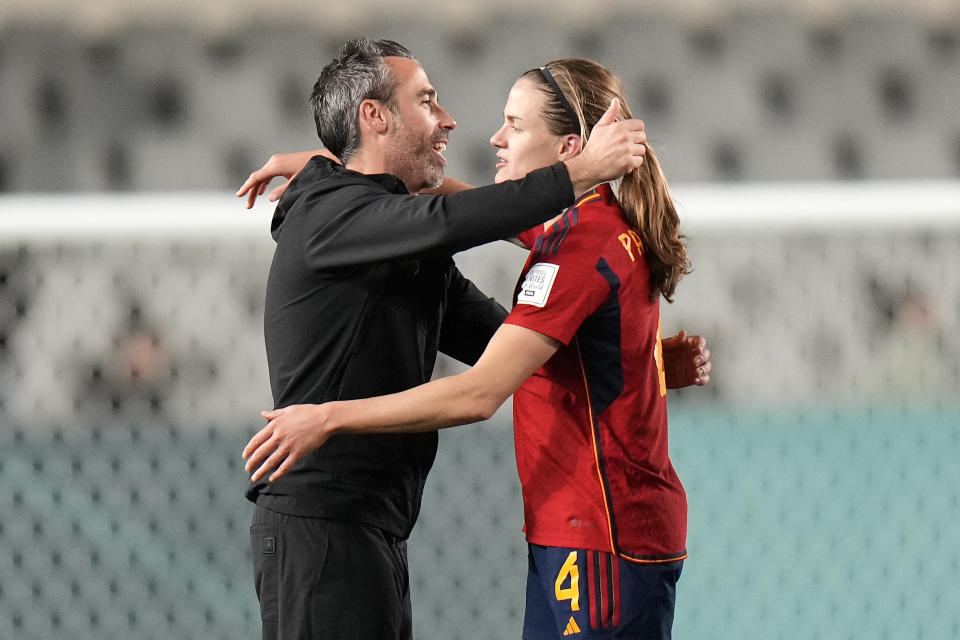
(615, 148)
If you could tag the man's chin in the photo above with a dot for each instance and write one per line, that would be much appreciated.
(426, 184)
(434, 179)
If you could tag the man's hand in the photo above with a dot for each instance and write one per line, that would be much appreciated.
(290, 434)
(286, 165)
(613, 150)
(686, 361)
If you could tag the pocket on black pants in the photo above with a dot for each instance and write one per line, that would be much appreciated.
(266, 569)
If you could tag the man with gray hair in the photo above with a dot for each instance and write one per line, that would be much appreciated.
(362, 294)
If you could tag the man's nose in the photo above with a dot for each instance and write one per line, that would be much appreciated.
(446, 120)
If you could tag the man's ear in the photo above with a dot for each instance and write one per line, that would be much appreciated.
(572, 145)
(374, 116)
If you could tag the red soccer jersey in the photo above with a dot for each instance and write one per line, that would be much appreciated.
(591, 426)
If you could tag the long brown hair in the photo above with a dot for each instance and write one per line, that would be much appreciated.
(588, 88)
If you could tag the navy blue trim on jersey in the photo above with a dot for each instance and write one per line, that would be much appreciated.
(599, 344)
(555, 239)
(549, 243)
(600, 339)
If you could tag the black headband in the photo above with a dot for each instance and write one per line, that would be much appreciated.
(571, 114)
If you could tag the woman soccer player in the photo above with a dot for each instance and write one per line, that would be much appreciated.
(581, 352)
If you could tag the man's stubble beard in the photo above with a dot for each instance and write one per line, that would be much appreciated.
(412, 158)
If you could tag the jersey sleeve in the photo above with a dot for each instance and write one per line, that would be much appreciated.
(560, 291)
(528, 237)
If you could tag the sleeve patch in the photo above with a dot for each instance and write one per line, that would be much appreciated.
(536, 286)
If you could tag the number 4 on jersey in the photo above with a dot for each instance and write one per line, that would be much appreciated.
(572, 592)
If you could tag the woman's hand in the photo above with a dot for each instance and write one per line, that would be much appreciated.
(285, 165)
(686, 361)
(290, 434)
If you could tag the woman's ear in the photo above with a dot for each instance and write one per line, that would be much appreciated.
(572, 146)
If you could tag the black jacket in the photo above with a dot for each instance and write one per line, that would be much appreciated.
(361, 295)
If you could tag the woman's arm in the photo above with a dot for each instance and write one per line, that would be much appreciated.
(285, 165)
(513, 355)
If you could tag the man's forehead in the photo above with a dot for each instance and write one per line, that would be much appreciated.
(409, 73)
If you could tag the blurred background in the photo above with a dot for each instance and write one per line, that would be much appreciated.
(814, 150)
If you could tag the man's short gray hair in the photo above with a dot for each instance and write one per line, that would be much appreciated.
(358, 73)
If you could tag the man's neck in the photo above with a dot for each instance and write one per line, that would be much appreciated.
(368, 163)
(372, 164)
